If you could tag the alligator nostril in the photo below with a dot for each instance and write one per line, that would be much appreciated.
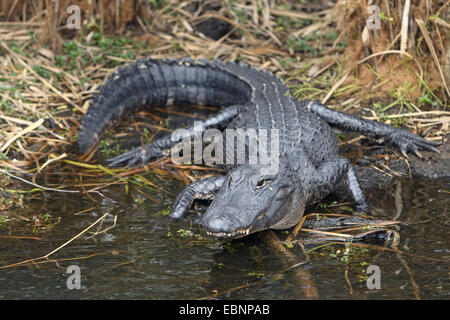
(220, 223)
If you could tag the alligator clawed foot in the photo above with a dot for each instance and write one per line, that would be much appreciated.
(201, 189)
(136, 157)
(182, 203)
(409, 142)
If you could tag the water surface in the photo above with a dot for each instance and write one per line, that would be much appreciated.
(145, 255)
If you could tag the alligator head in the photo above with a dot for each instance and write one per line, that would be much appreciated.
(250, 201)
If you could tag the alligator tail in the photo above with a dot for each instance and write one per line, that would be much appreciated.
(157, 83)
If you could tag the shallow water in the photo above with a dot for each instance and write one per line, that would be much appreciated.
(148, 256)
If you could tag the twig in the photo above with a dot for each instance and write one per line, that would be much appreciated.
(36, 185)
(404, 28)
(394, 51)
(413, 282)
(296, 229)
(348, 280)
(335, 87)
(422, 28)
(21, 133)
(57, 249)
(413, 114)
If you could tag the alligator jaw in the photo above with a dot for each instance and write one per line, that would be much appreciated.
(233, 234)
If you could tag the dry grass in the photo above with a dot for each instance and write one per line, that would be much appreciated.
(48, 73)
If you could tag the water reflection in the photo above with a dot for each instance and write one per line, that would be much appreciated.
(146, 256)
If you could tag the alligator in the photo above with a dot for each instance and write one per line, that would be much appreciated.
(247, 199)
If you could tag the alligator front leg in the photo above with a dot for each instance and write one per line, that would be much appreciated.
(204, 189)
(161, 147)
(403, 140)
(328, 175)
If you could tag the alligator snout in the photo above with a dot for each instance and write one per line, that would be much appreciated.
(224, 225)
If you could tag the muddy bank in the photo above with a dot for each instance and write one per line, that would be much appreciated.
(378, 167)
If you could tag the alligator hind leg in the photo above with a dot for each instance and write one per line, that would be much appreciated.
(156, 149)
(161, 147)
(203, 189)
(328, 175)
(403, 140)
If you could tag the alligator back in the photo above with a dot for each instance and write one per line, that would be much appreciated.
(263, 99)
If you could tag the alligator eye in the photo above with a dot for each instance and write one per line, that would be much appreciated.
(261, 183)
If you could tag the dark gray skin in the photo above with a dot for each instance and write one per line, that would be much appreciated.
(243, 206)
(244, 201)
